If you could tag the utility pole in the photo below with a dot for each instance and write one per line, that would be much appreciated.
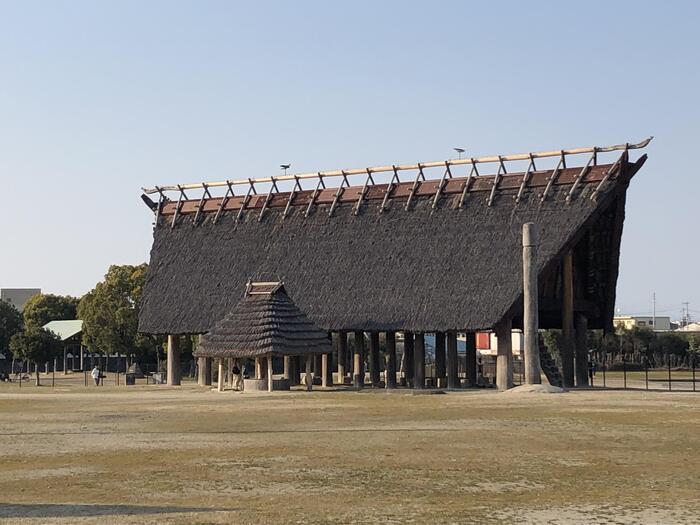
(686, 314)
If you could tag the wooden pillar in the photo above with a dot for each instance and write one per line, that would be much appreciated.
(419, 361)
(207, 371)
(531, 322)
(390, 374)
(470, 354)
(342, 338)
(287, 367)
(374, 372)
(173, 360)
(317, 366)
(308, 376)
(258, 368)
(567, 321)
(440, 371)
(452, 378)
(65, 360)
(220, 382)
(408, 349)
(581, 350)
(82, 358)
(358, 373)
(269, 374)
(504, 358)
(325, 368)
(201, 371)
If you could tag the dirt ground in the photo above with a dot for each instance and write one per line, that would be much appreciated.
(189, 455)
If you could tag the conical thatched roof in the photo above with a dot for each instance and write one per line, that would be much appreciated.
(266, 321)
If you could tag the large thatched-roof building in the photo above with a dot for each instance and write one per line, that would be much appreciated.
(415, 256)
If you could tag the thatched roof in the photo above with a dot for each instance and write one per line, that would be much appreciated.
(429, 267)
(265, 322)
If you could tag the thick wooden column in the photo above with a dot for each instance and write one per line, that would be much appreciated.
(358, 372)
(173, 360)
(317, 366)
(419, 361)
(390, 368)
(207, 371)
(374, 373)
(287, 367)
(581, 350)
(531, 316)
(269, 374)
(342, 338)
(408, 349)
(201, 371)
(567, 320)
(294, 370)
(258, 368)
(504, 358)
(440, 372)
(326, 381)
(470, 354)
(220, 378)
(308, 375)
(452, 377)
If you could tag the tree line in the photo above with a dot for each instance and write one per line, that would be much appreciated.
(109, 313)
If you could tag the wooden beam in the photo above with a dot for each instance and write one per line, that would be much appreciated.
(531, 322)
(342, 338)
(504, 357)
(390, 379)
(270, 380)
(374, 372)
(358, 373)
(581, 350)
(452, 377)
(408, 349)
(470, 364)
(419, 361)
(385, 169)
(567, 316)
(440, 371)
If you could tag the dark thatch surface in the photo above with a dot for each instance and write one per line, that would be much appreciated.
(419, 270)
(264, 322)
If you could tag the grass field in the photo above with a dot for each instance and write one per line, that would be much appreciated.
(190, 455)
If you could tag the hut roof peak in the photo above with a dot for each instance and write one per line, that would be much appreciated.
(264, 288)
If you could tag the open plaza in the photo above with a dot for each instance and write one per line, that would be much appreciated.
(188, 455)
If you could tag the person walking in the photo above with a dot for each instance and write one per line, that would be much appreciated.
(96, 375)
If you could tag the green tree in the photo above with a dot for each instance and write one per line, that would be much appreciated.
(10, 323)
(110, 313)
(43, 308)
(36, 345)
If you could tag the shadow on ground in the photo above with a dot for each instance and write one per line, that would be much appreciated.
(66, 510)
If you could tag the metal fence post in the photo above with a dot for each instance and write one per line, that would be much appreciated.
(624, 371)
(693, 365)
(668, 358)
(646, 373)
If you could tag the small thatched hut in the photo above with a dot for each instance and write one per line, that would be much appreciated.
(264, 324)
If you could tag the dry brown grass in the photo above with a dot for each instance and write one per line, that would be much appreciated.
(190, 455)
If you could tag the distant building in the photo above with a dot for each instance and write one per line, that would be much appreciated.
(690, 328)
(18, 297)
(487, 342)
(70, 332)
(663, 324)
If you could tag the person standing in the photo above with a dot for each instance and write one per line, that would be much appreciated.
(96, 375)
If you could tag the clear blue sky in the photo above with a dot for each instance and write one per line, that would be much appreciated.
(98, 99)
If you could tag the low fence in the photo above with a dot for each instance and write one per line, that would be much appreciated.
(637, 376)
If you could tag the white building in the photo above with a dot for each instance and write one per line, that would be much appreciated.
(663, 324)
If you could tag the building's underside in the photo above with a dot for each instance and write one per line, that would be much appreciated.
(444, 263)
